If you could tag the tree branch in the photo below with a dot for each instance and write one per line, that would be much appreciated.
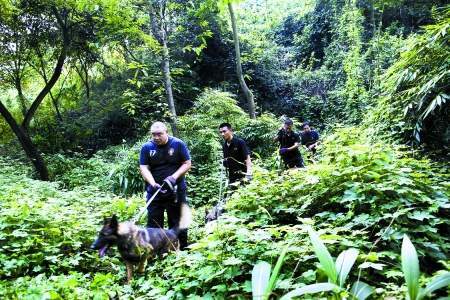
(56, 73)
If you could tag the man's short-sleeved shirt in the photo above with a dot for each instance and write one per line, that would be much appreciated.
(309, 138)
(235, 155)
(164, 160)
(287, 140)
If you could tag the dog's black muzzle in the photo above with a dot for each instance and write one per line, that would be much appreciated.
(95, 245)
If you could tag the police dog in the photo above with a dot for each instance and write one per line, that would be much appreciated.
(137, 244)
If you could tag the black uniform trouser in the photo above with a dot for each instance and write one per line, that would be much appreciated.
(235, 176)
(171, 204)
(294, 162)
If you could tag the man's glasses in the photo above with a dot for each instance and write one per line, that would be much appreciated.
(223, 131)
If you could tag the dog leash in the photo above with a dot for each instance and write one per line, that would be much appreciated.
(142, 211)
(221, 185)
(239, 162)
(222, 200)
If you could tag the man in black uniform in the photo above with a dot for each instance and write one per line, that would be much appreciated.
(236, 156)
(310, 138)
(163, 162)
(289, 143)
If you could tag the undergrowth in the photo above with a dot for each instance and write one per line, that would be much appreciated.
(359, 195)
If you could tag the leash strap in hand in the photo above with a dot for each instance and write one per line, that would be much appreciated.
(142, 211)
(239, 162)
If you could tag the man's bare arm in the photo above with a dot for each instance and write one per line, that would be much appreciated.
(295, 146)
(248, 163)
(183, 169)
(148, 177)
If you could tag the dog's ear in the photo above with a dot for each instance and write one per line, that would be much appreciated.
(114, 222)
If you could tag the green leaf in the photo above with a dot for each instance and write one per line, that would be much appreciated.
(323, 255)
(311, 289)
(276, 270)
(344, 264)
(410, 267)
(260, 279)
(420, 215)
(361, 290)
(436, 283)
(232, 261)
(367, 264)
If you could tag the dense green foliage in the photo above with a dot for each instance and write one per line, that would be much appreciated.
(46, 230)
(359, 195)
(358, 186)
(81, 81)
(416, 102)
(376, 193)
(318, 60)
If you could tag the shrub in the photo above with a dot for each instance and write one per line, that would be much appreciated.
(358, 186)
(199, 129)
(45, 230)
(415, 105)
(125, 175)
(76, 170)
(259, 133)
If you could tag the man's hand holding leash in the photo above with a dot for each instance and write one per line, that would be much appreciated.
(170, 182)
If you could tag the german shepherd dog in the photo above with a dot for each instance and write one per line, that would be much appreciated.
(137, 244)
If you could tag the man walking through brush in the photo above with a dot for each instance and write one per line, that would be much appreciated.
(236, 156)
(163, 163)
(289, 143)
(310, 138)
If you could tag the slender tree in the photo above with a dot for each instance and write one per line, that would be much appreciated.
(37, 23)
(177, 26)
(247, 92)
(161, 27)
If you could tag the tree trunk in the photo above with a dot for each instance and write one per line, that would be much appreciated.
(56, 73)
(84, 76)
(54, 100)
(27, 145)
(248, 94)
(157, 12)
(44, 76)
(168, 87)
(22, 100)
(55, 105)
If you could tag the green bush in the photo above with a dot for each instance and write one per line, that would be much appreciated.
(204, 184)
(199, 129)
(46, 230)
(415, 101)
(76, 170)
(125, 175)
(75, 285)
(219, 265)
(259, 133)
(360, 187)
(360, 195)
